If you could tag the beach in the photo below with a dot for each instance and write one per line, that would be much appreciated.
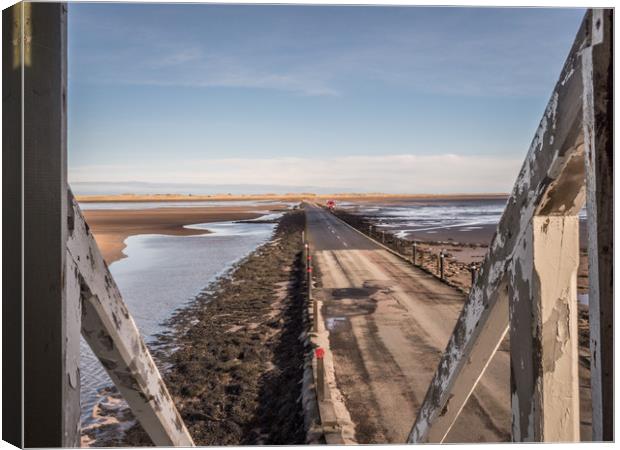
(112, 226)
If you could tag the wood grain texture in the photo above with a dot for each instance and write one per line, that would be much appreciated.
(51, 402)
(12, 226)
(551, 182)
(114, 338)
(598, 130)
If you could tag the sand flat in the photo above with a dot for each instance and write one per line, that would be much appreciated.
(112, 226)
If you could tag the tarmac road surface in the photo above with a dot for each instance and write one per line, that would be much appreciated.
(389, 323)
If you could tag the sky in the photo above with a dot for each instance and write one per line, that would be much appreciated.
(323, 98)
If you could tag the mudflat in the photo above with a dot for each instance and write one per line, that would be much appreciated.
(112, 226)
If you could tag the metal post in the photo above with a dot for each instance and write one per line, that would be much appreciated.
(309, 272)
(315, 314)
(320, 374)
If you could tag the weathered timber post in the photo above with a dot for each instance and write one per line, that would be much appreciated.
(369, 230)
(383, 237)
(442, 257)
(413, 258)
(543, 321)
(473, 269)
(12, 233)
(550, 185)
(303, 237)
(111, 333)
(598, 139)
(51, 316)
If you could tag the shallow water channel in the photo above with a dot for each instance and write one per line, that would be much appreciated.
(162, 273)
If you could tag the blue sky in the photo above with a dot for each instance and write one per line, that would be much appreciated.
(393, 99)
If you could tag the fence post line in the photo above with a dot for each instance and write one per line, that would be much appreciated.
(598, 141)
(543, 320)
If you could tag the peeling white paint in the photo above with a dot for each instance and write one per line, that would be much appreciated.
(546, 169)
(114, 338)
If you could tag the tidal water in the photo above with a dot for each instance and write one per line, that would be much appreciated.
(426, 218)
(162, 273)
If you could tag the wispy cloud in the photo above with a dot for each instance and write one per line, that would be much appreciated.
(314, 54)
(392, 173)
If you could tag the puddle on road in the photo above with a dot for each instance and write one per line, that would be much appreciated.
(335, 323)
(353, 293)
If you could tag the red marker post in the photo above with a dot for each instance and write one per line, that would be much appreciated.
(320, 373)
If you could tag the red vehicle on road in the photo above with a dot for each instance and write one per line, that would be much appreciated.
(331, 204)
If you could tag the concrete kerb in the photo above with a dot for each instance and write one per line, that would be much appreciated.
(331, 423)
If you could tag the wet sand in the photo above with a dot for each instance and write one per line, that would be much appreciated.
(112, 226)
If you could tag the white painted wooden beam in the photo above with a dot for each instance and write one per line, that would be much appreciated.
(598, 132)
(551, 182)
(543, 332)
(114, 338)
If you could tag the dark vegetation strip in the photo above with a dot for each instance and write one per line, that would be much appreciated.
(234, 359)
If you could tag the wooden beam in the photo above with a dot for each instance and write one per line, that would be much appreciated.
(543, 332)
(551, 182)
(12, 225)
(51, 392)
(598, 132)
(114, 338)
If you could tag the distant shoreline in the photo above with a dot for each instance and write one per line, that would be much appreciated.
(123, 198)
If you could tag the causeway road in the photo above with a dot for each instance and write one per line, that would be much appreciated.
(388, 324)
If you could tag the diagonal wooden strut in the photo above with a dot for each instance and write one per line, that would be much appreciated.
(114, 338)
(512, 289)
